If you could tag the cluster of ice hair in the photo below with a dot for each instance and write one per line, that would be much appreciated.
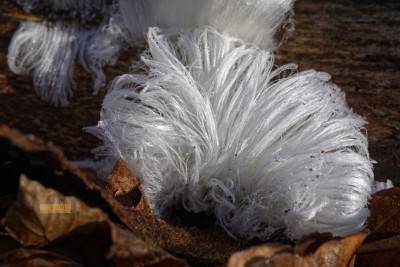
(212, 125)
(48, 51)
(209, 123)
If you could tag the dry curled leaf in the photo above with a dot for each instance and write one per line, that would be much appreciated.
(337, 252)
(309, 244)
(126, 187)
(385, 211)
(121, 180)
(31, 225)
(333, 253)
(87, 245)
(104, 244)
(35, 258)
(46, 164)
(380, 253)
(256, 255)
(128, 250)
(31, 222)
(7, 243)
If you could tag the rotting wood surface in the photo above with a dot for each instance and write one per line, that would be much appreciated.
(359, 45)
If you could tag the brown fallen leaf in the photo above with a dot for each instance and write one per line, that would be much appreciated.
(257, 255)
(333, 253)
(7, 243)
(104, 244)
(337, 252)
(385, 211)
(128, 250)
(382, 247)
(24, 257)
(121, 180)
(380, 253)
(126, 187)
(310, 243)
(29, 221)
(87, 245)
(8, 188)
(45, 163)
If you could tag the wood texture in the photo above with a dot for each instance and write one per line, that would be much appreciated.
(359, 45)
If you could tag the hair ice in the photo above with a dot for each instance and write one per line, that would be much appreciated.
(254, 21)
(101, 48)
(212, 125)
(48, 53)
(125, 23)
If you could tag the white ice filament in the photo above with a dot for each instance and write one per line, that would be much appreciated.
(254, 21)
(125, 23)
(48, 53)
(211, 124)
